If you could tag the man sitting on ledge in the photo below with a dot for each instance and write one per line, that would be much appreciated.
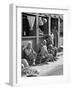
(44, 55)
(29, 54)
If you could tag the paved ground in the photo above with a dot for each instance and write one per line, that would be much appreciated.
(52, 68)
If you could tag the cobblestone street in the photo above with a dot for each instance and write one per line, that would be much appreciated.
(51, 68)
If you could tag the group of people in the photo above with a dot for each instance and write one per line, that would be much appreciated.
(45, 54)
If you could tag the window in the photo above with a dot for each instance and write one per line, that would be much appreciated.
(28, 24)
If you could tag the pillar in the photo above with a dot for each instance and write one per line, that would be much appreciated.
(49, 24)
(37, 31)
(58, 31)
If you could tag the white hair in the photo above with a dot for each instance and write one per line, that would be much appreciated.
(29, 42)
(44, 42)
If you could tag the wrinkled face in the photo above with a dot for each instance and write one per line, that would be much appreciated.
(29, 45)
(44, 42)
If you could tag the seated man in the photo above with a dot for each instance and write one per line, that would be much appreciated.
(26, 70)
(52, 50)
(24, 64)
(29, 54)
(44, 56)
(44, 51)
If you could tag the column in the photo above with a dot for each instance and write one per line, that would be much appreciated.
(58, 31)
(49, 24)
(37, 31)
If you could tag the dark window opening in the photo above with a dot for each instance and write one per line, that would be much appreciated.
(28, 25)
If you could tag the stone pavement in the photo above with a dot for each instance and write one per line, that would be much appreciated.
(51, 68)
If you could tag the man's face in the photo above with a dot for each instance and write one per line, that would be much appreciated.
(29, 45)
(44, 42)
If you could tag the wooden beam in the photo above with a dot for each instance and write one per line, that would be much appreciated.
(37, 31)
(58, 32)
(49, 24)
